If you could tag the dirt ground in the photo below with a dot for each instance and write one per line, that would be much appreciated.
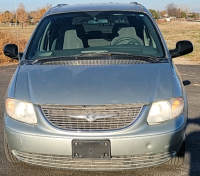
(182, 30)
(185, 61)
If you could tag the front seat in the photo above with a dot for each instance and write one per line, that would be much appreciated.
(71, 40)
(127, 35)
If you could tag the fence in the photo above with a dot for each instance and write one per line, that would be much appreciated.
(13, 24)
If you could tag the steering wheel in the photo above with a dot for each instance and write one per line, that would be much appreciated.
(127, 41)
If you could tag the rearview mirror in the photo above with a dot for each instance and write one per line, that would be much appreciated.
(98, 21)
(182, 47)
(11, 50)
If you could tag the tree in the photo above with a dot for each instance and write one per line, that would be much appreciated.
(194, 15)
(40, 13)
(163, 13)
(178, 13)
(183, 15)
(37, 15)
(0, 17)
(21, 14)
(158, 14)
(14, 20)
(7, 17)
(33, 16)
(184, 10)
(172, 10)
(154, 13)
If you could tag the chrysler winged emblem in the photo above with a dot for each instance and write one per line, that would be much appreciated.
(93, 117)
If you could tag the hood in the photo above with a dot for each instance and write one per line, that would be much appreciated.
(94, 85)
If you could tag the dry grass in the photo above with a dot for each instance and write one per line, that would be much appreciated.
(182, 30)
(172, 32)
(10, 35)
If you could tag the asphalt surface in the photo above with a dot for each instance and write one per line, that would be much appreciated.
(190, 167)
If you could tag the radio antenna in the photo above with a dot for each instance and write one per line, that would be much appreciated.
(17, 28)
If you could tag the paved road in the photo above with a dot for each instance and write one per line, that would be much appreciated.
(191, 166)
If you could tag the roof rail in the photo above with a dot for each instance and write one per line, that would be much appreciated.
(60, 5)
(136, 3)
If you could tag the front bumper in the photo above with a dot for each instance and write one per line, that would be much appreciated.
(128, 150)
(115, 163)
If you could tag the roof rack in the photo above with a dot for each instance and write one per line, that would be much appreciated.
(60, 5)
(136, 3)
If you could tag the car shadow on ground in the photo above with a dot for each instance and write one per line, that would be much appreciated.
(192, 146)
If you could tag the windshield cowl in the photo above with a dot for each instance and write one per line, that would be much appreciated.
(96, 59)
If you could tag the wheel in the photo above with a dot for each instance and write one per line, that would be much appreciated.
(127, 40)
(8, 153)
(179, 158)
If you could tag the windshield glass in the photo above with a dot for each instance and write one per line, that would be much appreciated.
(95, 32)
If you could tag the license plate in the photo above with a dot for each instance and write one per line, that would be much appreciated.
(91, 149)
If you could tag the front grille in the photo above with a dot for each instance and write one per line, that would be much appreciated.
(77, 117)
(115, 163)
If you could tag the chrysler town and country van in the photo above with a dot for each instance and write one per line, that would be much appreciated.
(96, 89)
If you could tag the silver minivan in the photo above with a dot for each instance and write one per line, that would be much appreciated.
(96, 89)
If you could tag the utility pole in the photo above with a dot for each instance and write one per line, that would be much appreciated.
(15, 13)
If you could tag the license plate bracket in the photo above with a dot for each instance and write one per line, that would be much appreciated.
(91, 149)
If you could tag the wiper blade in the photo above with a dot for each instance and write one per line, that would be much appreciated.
(43, 60)
(139, 57)
(99, 53)
(152, 58)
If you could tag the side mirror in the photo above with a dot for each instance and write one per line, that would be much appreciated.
(11, 50)
(182, 48)
(186, 82)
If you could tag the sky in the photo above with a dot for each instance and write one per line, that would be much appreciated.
(31, 5)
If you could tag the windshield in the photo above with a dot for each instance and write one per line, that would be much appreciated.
(80, 33)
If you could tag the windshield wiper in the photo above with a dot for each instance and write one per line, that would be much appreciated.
(49, 59)
(99, 53)
(151, 58)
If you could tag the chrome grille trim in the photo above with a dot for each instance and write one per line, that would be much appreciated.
(115, 163)
(64, 117)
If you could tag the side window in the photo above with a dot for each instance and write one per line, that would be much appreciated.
(151, 36)
(148, 39)
(42, 44)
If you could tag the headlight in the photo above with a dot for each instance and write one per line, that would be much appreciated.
(21, 111)
(165, 110)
